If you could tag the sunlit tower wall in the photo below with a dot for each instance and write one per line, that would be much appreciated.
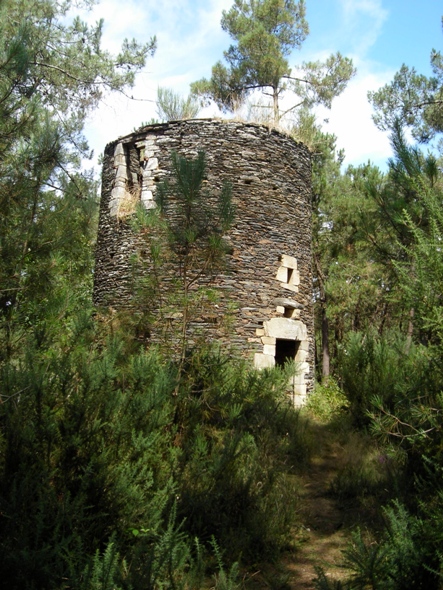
(266, 286)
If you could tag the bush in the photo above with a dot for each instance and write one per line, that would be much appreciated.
(397, 561)
(327, 402)
(368, 471)
(378, 367)
(113, 462)
(240, 438)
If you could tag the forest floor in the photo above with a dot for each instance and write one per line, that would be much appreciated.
(326, 524)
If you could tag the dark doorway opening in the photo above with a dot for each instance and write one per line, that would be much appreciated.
(285, 350)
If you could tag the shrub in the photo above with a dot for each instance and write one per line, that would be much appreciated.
(238, 433)
(378, 367)
(113, 461)
(327, 402)
(398, 561)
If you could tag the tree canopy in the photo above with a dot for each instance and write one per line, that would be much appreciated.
(53, 72)
(413, 100)
(265, 32)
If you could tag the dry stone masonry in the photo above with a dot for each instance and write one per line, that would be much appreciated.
(267, 284)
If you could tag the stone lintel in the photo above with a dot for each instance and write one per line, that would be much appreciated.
(285, 329)
(290, 303)
(288, 261)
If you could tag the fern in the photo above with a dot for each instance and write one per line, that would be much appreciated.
(368, 562)
(322, 582)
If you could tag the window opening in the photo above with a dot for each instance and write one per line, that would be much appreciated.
(285, 350)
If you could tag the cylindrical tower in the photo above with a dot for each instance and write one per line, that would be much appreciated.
(267, 284)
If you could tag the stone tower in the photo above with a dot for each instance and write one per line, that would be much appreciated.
(267, 284)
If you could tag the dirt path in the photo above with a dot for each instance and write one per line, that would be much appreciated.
(324, 532)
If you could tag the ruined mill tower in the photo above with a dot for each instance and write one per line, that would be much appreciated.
(266, 287)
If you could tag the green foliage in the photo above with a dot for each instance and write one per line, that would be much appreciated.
(195, 219)
(84, 455)
(379, 367)
(406, 403)
(225, 580)
(350, 283)
(318, 83)
(102, 573)
(398, 561)
(394, 384)
(364, 241)
(171, 107)
(162, 557)
(241, 433)
(421, 287)
(327, 402)
(265, 32)
(185, 233)
(368, 474)
(412, 100)
(323, 583)
(53, 72)
(111, 466)
(368, 563)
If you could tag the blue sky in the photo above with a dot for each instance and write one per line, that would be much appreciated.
(379, 35)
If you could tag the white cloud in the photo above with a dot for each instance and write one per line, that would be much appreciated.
(350, 119)
(190, 41)
(362, 23)
(354, 29)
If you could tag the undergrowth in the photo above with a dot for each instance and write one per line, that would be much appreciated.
(120, 471)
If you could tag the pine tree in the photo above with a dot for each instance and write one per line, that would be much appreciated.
(53, 72)
(412, 100)
(188, 239)
(172, 107)
(265, 32)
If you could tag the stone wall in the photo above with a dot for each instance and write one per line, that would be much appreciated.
(267, 284)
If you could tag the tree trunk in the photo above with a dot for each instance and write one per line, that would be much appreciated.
(325, 366)
(275, 106)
